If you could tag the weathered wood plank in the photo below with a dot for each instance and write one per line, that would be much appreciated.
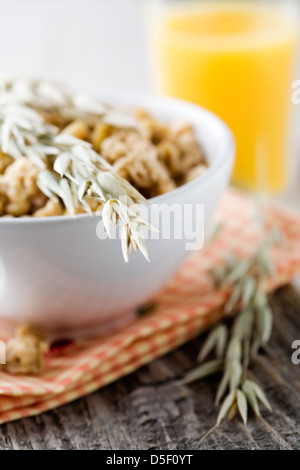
(148, 410)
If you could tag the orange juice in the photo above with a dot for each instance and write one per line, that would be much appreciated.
(236, 59)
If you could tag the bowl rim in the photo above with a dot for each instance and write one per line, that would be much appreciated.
(129, 98)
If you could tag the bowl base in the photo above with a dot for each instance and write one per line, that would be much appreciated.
(92, 330)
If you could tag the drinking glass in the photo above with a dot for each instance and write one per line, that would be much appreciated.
(236, 58)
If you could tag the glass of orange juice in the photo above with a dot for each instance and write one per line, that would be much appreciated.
(235, 57)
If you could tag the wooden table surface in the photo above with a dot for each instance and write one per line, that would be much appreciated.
(147, 410)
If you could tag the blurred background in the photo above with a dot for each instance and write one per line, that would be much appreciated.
(180, 49)
(91, 44)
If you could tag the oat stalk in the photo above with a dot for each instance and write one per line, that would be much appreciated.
(235, 345)
(69, 169)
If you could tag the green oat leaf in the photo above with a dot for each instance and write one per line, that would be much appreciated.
(250, 394)
(202, 371)
(225, 407)
(242, 406)
(260, 394)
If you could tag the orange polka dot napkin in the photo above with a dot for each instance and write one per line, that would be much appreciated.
(187, 306)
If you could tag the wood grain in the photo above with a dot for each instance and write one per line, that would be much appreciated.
(147, 410)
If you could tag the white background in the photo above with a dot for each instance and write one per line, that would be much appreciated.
(91, 44)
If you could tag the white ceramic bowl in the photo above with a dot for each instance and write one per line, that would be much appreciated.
(55, 272)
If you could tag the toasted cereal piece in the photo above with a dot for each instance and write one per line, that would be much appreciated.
(142, 167)
(151, 128)
(5, 161)
(38, 202)
(114, 147)
(77, 128)
(92, 202)
(50, 209)
(191, 152)
(54, 118)
(18, 184)
(195, 172)
(25, 352)
(170, 155)
(100, 132)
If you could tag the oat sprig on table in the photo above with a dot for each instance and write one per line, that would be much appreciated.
(235, 345)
